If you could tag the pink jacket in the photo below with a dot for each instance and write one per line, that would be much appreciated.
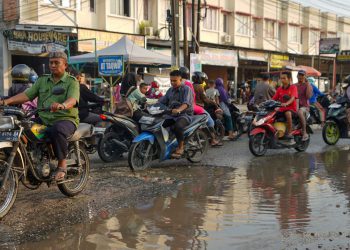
(197, 110)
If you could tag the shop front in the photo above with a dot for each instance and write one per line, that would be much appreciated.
(31, 45)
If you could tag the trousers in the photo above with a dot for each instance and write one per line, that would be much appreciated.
(179, 125)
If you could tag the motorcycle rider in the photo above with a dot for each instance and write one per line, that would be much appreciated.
(287, 94)
(63, 119)
(197, 109)
(179, 99)
(304, 94)
(313, 100)
(263, 90)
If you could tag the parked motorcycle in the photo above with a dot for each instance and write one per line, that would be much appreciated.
(336, 125)
(26, 155)
(155, 142)
(270, 129)
(241, 120)
(118, 136)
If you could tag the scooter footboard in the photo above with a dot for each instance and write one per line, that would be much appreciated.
(145, 136)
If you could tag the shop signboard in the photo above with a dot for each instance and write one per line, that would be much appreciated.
(104, 39)
(36, 42)
(344, 56)
(110, 65)
(253, 56)
(280, 61)
(329, 45)
(222, 57)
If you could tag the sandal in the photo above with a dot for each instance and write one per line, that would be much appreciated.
(217, 144)
(60, 170)
(177, 155)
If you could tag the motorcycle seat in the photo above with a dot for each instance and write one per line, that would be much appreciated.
(196, 119)
(83, 130)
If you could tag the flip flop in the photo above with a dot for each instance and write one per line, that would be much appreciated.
(218, 144)
(176, 155)
(60, 170)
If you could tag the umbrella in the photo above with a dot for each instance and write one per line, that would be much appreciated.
(310, 71)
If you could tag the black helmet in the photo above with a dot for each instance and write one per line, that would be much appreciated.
(198, 77)
(20, 73)
(185, 72)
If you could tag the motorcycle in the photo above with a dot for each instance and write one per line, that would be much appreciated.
(26, 155)
(117, 138)
(270, 128)
(154, 142)
(315, 117)
(336, 125)
(241, 120)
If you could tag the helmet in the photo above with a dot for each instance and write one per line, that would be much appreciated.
(33, 76)
(20, 73)
(185, 72)
(198, 77)
(346, 82)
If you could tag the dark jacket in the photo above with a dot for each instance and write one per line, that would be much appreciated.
(86, 96)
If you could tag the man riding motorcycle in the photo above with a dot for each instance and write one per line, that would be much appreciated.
(287, 95)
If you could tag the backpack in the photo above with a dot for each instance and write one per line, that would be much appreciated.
(124, 106)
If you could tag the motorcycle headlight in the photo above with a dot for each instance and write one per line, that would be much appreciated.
(7, 123)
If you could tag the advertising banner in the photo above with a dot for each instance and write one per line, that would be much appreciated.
(329, 45)
(280, 61)
(344, 56)
(36, 42)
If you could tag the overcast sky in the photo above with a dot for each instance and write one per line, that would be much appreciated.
(340, 7)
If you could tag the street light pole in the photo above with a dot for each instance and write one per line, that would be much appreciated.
(198, 26)
(175, 48)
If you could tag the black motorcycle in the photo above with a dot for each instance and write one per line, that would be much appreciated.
(242, 121)
(336, 125)
(26, 155)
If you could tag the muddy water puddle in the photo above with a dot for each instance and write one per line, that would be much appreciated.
(293, 201)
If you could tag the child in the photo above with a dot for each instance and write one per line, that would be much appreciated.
(138, 98)
(212, 93)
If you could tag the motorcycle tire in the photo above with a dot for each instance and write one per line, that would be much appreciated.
(140, 155)
(107, 151)
(302, 146)
(72, 190)
(10, 196)
(198, 137)
(331, 132)
(256, 147)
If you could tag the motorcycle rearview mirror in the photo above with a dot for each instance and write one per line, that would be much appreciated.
(58, 90)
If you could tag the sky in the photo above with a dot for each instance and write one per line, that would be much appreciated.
(340, 7)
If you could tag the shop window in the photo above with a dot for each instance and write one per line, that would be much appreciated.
(270, 29)
(243, 25)
(92, 6)
(120, 7)
(225, 23)
(210, 21)
(294, 34)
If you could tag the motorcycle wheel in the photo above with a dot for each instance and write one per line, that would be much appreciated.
(199, 140)
(219, 129)
(77, 178)
(8, 193)
(256, 146)
(303, 145)
(140, 155)
(106, 149)
(331, 133)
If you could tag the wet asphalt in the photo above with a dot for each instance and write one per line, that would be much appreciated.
(231, 200)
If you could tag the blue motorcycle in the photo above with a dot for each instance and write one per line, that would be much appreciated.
(155, 142)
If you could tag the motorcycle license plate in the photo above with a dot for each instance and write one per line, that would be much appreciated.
(9, 135)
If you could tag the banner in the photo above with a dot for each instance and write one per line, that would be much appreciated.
(344, 56)
(253, 56)
(329, 45)
(280, 61)
(103, 39)
(222, 57)
(36, 42)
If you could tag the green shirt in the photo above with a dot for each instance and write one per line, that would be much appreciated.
(43, 90)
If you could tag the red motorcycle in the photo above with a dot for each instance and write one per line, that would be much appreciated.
(270, 128)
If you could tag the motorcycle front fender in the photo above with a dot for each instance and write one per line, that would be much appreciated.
(145, 136)
(19, 157)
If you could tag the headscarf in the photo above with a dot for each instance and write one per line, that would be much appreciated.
(128, 81)
(219, 82)
(152, 93)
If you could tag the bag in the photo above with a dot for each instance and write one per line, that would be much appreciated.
(124, 106)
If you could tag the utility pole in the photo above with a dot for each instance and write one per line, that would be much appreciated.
(198, 34)
(175, 48)
(194, 32)
(185, 42)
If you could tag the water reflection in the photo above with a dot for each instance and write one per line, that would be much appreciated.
(271, 203)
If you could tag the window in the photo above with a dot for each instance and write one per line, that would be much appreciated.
(270, 29)
(280, 27)
(210, 22)
(225, 23)
(120, 7)
(243, 25)
(294, 34)
(145, 9)
(254, 27)
(314, 37)
(92, 5)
